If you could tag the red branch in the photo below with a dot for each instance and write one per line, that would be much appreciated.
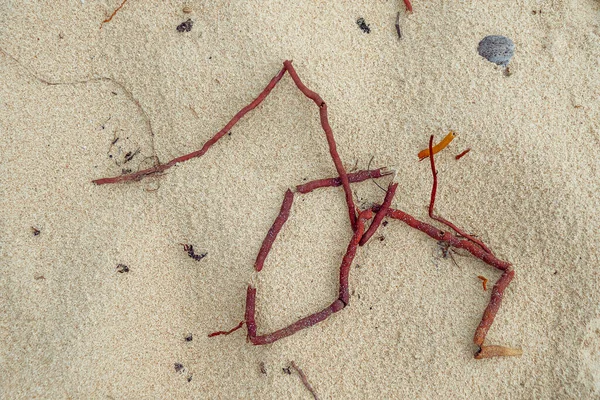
(284, 214)
(432, 201)
(339, 166)
(462, 154)
(218, 333)
(136, 176)
(354, 177)
(387, 201)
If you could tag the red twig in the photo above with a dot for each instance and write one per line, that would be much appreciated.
(349, 256)
(284, 214)
(136, 176)
(339, 166)
(226, 332)
(113, 14)
(307, 385)
(408, 5)
(446, 237)
(461, 155)
(354, 177)
(389, 196)
(432, 201)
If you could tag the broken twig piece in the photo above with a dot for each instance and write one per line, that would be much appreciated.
(305, 380)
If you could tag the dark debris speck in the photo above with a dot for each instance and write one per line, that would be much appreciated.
(121, 268)
(185, 26)
(363, 25)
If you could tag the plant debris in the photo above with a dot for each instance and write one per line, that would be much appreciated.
(190, 250)
(121, 268)
(363, 25)
(185, 26)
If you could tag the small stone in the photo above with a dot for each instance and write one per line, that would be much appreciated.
(496, 49)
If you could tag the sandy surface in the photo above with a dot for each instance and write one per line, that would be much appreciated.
(73, 327)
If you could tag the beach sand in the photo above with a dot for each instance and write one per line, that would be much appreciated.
(79, 103)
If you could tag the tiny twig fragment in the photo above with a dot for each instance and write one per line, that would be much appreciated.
(398, 30)
(459, 156)
(497, 351)
(484, 281)
(190, 250)
(304, 380)
(113, 14)
(227, 332)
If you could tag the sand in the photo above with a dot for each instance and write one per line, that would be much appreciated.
(71, 326)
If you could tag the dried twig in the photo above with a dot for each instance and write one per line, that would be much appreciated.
(304, 380)
(113, 14)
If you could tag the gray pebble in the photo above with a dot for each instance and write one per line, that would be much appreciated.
(497, 49)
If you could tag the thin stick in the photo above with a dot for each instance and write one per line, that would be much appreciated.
(304, 380)
(354, 177)
(136, 176)
(461, 155)
(339, 166)
(113, 14)
(442, 236)
(492, 308)
(398, 30)
(432, 201)
(282, 217)
(375, 182)
(389, 196)
(226, 332)
(349, 256)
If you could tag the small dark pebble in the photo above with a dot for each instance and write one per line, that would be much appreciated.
(185, 26)
(496, 49)
(178, 367)
(363, 25)
(189, 338)
(189, 378)
(121, 268)
(35, 231)
(287, 370)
